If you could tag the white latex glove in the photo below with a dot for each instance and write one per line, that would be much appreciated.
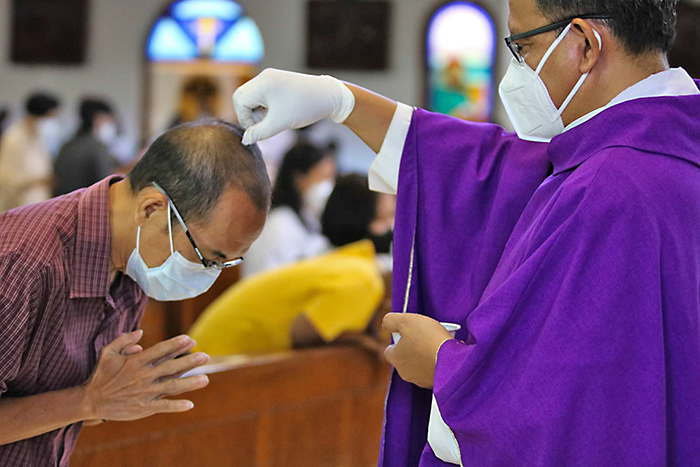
(277, 100)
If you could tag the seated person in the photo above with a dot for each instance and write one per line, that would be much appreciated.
(333, 297)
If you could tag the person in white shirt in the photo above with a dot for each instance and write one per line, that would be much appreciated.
(25, 161)
(293, 232)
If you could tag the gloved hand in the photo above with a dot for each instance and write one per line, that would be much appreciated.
(277, 100)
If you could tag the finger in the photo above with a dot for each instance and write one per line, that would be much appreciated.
(260, 131)
(393, 322)
(389, 354)
(123, 341)
(174, 387)
(173, 346)
(180, 365)
(170, 406)
(169, 377)
(132, 350)
(173, 355)
(244, 102)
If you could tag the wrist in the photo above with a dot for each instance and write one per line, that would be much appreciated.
(87, 406)
(343, 100)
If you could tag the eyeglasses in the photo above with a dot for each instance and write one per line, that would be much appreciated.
(511, 42)
(208, 263)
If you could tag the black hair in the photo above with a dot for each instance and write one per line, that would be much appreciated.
(640, 25)
(299, 160)
(350, 210)
(39, 104)
(89, 108)
(196, 162)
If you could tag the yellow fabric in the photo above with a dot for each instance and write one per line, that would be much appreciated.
(337, 292)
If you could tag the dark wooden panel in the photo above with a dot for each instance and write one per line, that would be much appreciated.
(49, 32)
(348, 35)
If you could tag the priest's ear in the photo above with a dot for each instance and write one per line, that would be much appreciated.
(589, 42)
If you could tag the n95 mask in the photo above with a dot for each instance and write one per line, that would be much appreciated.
(176, 279)
(527, 101)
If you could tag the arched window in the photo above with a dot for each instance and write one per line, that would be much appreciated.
(205, 29)
(460, 58)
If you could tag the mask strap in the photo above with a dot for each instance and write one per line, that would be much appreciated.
(170, 229)
(579, 83)
(552, 47)
(138, 237)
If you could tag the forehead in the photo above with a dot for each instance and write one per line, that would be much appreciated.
(524, 16)
(234, 225)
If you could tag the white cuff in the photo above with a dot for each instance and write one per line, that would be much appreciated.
(384, 171)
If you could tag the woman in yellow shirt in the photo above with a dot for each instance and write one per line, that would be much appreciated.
(315, 300)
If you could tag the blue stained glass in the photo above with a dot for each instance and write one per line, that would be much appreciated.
(242, 42)
(205, 29)
(169, 42)
(192, 9)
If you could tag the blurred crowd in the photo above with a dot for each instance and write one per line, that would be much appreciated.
(35, 164)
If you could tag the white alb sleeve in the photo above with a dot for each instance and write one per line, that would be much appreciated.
(384, 171)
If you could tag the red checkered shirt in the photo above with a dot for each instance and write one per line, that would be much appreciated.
(57, 307)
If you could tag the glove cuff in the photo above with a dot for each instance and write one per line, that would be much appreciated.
(343, 101)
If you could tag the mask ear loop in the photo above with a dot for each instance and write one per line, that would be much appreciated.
(551, 49)
(573, 92)
(170, 229)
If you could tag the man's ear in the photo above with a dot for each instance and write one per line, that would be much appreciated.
(591, 44)
(148, 202)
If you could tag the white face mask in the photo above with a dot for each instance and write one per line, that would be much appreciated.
(175, 279)
(316, 196)
(107, 133)
(527, 101)
(49, 130)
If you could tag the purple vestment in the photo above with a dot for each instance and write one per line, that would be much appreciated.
(574, 269)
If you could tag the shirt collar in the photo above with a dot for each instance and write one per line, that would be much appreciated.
(586, 136)
(90, 277)
(672, 82)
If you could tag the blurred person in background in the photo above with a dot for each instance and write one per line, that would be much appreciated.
(293, 230)
(86, 159)
(25, 160)
(4, 114)
(199, 100)
(332, 298)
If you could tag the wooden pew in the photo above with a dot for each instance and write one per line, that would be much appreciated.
(318, 407)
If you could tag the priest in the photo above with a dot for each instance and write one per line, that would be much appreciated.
(569, 251)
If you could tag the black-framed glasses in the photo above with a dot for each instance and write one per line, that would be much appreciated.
(208, 263)
(512, 44)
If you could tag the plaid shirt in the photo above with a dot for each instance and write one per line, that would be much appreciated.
(57, 307)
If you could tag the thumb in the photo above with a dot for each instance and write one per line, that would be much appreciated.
(124, 341)
(393, 322)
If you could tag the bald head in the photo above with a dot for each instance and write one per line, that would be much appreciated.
(196, 163)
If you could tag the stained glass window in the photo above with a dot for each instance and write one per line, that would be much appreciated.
(460, 55)
(205, 29)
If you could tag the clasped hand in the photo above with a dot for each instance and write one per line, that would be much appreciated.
(130, 383)
(415, 355)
